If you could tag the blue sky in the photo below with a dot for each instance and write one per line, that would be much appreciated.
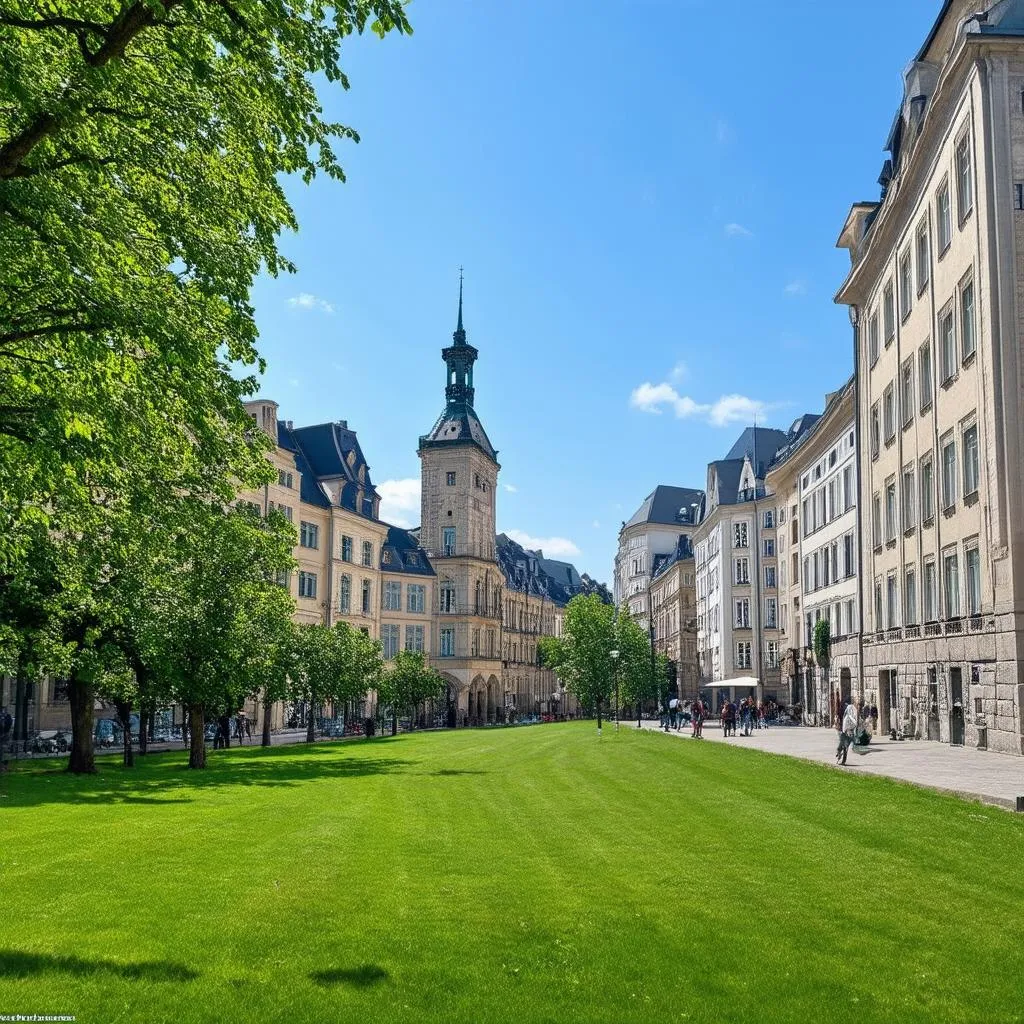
(645, 195)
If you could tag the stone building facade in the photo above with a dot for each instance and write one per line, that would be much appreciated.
(674, 607)
(813, 483)
(936, 294)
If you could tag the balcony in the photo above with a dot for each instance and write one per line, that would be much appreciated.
(479, 550)
(975, 624)
(913, 633)
(954, 626)
(933, 629)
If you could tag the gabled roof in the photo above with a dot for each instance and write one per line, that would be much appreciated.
(530, 572)
(683, 551)
(666, 506)
(404, 554)
(763, 440)
(728, 472)
(457, 425)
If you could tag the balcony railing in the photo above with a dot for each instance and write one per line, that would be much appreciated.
(478, 550)
(954, 626)
(933, 629)
(913, 633)
(974, 624)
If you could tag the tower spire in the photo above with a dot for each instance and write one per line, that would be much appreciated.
(459, 337)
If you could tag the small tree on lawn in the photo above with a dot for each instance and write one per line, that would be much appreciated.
(823, 654)
(582, 655)
(319, 664)
(637, 682)
(406, 683)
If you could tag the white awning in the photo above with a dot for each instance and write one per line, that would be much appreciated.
(742, 683)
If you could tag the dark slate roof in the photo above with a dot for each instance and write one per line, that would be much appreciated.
(728, 472)
(765, 440)
(530, 572)
(326, 448)
(457, 425)
(665, 505)
(406, 555)
(310, 490)
(683, 551)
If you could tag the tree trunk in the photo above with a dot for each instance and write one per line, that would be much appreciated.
(197, 740)
(310, 722)
(83, 696)
(124, 716)
(599, 714)
(394, 722)
(267, 705)
(21, 707)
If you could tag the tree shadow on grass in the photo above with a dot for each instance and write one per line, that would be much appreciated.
(363, 976)
(16, 964)
(166, 779)
(456, 771)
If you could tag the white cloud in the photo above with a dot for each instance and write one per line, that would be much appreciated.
(511, 488)
(796, 287)
(305, 300)
(553, 547)
(652, 398)
(680, 371)
(734, 230)
(400, 501)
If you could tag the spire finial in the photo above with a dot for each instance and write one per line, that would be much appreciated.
(459, 328)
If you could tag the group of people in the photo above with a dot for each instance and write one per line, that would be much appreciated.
(855, 724)
(747, 714)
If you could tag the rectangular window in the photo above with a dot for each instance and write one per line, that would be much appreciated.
(282, 578)
(389, 635)
(888, 314)
(367, 592)
(448, 540)
(367, 553)
(973, 562)
(910, 598)
(889, 413)
(307, 584)
(947, 344)
(741, 619)
(769, 577)
(924, 257)
(447, 643)
(951, 584)
(415, 596)
(924, 373)
(392, 596)
(890, 509)
(346, 549)
(739, 535)
(909, 522)
(742, 570)
(345, 594)
(285, 479)
(285, 510)
(970, 453)
(964, 176)
(743, 654)
(907, 392)
(968, 337)
(873, 338)
(769, 548)
(879, 615)
(892, 601)
(769, 520)
(851, 615)
(309, 535)
(847, 488)
(414, 638)
(944, 217)
(849, 557)
(906, 285)
(876, 431)
(447, 595)
(772, 654)
(948, 473)
(771, 613)
(451, 479)
(931, 611)
(876, 521)
(927, 489)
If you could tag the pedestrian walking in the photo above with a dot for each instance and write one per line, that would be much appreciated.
(847, 731)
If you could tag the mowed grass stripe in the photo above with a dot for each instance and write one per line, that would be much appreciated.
(505, 875)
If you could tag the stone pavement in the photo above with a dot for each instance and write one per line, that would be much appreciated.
(973, 774)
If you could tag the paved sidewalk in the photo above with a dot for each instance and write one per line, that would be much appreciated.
(974, 774)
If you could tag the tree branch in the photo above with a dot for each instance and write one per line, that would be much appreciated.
(78, 158)
(38, 332)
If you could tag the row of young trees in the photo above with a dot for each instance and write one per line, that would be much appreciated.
(141, 192)
(582, 656)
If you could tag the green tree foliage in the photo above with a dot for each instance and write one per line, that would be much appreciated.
(637, 683)
(822, 642)
(143, 145)
(408, 682)
(582, 655)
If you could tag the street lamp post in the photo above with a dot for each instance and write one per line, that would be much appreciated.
(615, 664)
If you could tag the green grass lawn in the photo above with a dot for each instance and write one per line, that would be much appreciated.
(512, 875)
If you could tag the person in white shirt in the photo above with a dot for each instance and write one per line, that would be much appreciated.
(847, 731)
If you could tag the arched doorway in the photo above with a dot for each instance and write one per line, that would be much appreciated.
(478, 702)
(493, 711)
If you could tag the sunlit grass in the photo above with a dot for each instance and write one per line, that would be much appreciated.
(520, 875)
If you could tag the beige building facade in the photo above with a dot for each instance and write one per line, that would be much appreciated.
(813, 483)
(674, 607)
(936, 293)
